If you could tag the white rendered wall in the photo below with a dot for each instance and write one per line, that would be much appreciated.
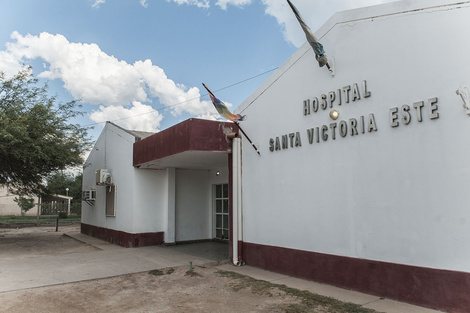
(193, 205)
(139, 193)
(194, 214)
(8, 206)
(398, 194)
(94, 214)
(150, 200)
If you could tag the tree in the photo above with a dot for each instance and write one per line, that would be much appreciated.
(58, 182)
(36, 135)
(25, 204)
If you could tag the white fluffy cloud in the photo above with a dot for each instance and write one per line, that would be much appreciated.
(315, 12)
(238, 3)
(198, 3)
(87, 72)
(95, 77)
(9, 64)
(96, 3)
(138, 117)
(206, 4)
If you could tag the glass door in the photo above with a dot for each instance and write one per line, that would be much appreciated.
(221, 211)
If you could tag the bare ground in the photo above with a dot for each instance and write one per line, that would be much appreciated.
(30, 242)
(144, 292)
(205, 289)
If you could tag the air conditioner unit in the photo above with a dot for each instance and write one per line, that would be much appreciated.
(108, 179)
(88, 195)
(101, 176)
(104, 178)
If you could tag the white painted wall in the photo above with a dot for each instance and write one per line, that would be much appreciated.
(149, 203)
(398, 194)
(139, 193)
(8, 206)
(94, 214)
(193, 205)
(194, 213)
(177, 202)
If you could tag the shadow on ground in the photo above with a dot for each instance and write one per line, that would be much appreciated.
(216, 251)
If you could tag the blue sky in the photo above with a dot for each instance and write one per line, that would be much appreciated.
(140, 63)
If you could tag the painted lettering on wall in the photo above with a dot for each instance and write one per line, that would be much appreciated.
(351, 126)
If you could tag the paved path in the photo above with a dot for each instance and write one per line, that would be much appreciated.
(109, 261)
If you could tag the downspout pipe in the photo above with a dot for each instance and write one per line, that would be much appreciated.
(239, 206)
(236, 185)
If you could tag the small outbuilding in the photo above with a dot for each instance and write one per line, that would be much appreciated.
(146, 189)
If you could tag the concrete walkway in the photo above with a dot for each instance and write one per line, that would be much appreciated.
(111, 260)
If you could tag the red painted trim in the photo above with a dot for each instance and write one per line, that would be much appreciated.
(190, 135)
(240, 251)
(437, 289)
(121, 238)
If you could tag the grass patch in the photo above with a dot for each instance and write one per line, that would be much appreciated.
(192, 273)
(309, 302)
(161, 272)
(12, 219)
(156, 272)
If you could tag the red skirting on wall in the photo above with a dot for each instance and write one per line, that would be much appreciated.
(438, 289)
(121, 238)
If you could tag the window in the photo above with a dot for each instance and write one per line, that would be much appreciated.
(221, 211)
(110, 200)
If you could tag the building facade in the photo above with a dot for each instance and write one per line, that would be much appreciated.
(160, 188)
(362, 179)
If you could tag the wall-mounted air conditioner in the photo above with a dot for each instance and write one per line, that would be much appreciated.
(100, 176)
(88, 195)
(108, 179)
(103, 177)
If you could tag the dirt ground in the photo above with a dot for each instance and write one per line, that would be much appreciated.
(144, 292)
(205, 289)
(30, 242)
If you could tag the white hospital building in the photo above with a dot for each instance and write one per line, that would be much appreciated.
(363, 181)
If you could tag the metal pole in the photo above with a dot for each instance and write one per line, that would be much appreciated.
(248, 138)
(39, 210)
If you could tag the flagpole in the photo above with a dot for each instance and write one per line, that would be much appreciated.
(248, 138)
(238, 125)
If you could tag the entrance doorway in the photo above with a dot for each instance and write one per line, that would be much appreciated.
(221, 211)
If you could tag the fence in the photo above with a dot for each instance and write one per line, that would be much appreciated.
(54, 207)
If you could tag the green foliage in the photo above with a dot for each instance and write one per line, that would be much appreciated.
(156, 272)
(62, 214)
(25, 204)
(161, 272)
(192, 273)
(36, 136)
(59, 181)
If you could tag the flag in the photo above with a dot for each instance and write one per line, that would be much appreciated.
(314, 43)
(223, 110)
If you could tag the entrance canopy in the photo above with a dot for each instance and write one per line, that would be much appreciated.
(192, 144)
